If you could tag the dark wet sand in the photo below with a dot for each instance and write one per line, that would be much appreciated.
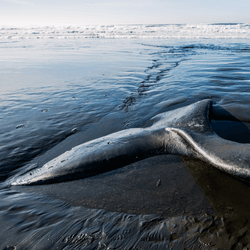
(158, 185)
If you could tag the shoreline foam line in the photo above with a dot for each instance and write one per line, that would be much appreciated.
(165, 31)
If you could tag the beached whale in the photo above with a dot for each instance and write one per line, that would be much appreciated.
(185, 131)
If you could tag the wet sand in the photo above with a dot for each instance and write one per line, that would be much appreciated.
(159, 185)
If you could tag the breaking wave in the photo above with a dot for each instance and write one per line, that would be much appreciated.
(230, 30)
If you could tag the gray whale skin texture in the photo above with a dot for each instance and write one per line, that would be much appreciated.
(185, 131)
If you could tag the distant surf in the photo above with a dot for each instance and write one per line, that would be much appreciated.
(230, 30)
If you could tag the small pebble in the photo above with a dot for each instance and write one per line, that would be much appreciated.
(10, 248)
(73, 129)
(158, 183)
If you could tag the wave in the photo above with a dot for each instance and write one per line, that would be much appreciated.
(228, 30)
(185, 131)
(200, 46)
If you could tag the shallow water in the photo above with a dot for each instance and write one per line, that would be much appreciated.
(84, 89)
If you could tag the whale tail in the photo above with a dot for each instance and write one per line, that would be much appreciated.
(185, 131)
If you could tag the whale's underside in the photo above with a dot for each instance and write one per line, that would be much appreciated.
(185, 131)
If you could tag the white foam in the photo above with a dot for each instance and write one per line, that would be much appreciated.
(129, 31)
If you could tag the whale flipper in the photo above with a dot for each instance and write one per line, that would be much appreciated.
(185, 131)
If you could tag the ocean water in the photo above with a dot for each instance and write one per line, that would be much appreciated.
(79, 88)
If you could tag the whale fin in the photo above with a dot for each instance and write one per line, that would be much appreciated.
(194, 117)
(192, 135)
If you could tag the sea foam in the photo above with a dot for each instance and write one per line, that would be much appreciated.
(230, 30)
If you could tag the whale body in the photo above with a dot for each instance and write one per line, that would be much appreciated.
(185, 131)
